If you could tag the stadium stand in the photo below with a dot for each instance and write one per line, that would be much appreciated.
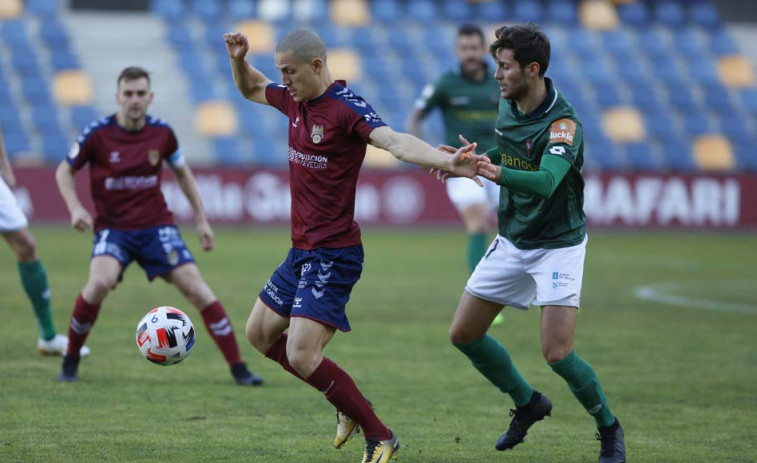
(659, 85)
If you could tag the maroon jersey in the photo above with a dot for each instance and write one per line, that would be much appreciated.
(125, 169)
(328, 137)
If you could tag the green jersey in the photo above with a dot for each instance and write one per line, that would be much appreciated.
(468, 107)
(552, 129)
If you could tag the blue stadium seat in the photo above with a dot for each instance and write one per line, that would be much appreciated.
(214, 35)
(206, 10)
(682, 98)
(531, 11)
(696, 123)
(55, 145)
(718, 98)
(670, 74)
(735, 127)
(227, 151)
(494, 11)
(598, 75)
(704, 71)
(608, 95)
(688, 42)
(721, 43)
(14, 32)
(16, 142)
(746, 156)
(642, 157)
(45, 119)
(171, 10)
(53, 33)
(582, 44)
(563, 12)
(201, 88)
(179, 35)
(704, 14)
(617, 42)
(36, 92)
(654, 42)
(64, 59)
(601, 153)
(82, 116)
(634, 14)
(386, 11)
(422, 10)
(669, 13)
(749, 99)
(660, 125)
(645, 98)
(43, 8)
(678, 154)
(457, 10)
(239, 10)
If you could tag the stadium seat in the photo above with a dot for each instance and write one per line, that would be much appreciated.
(16, 142)
(241, 9)
(721, 43)
(713, 152)
(661, 125)
(206, 10)
(717, 98)
(682, 98)
(669, 13)
(602, 154)
(72, 88)
(216, 119)
(11, 9)
(623, 124)
(36, 92)
(745, 156)
(562, 12)
(495, 11)
(386, 11)
(458, 10)
(227, 151)
(677, 154)
(697, 123)
(53, 34)
(704, 14)
(689, 42)
(311, 11)
(617, 42)
(82, 116)
(264, 37)
(170, 10)
(274, 11)
(43, 8)
(422, 10)
(642, 157)
(736, 72)
(598, 15)
(14, 32)
(634, 14)
(608, 96)
(345, 64)
(378, 158)
(350, 13)
(64, 60)
(525, 12)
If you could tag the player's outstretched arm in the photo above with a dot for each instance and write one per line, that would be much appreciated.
(405, 147)
(250, 82)
(64, 176)
(5, 166)
(188, 185)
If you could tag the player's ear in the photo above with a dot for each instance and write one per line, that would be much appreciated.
(533, 69)
(317, 64)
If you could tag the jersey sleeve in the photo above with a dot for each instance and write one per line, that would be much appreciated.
(429, 98)
(358, 117)
(565, 137)
(279, 97)
(174, 156)
(494, 155)
(83, 149)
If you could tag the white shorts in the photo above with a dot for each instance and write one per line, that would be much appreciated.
(463, 192)
(12, 218)
(520, 277)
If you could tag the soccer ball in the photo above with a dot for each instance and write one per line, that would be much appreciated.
(165, 335)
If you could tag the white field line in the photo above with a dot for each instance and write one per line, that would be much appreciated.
(664, 293)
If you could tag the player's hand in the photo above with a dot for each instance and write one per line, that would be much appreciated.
(237, 45)
(207, 238)
(8, 176)
(490, 171)
(81, 219)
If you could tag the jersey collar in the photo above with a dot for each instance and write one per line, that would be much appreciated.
(540, 110)
(329, 89)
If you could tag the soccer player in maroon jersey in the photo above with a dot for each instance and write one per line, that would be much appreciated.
(329, 129)
(125, 152)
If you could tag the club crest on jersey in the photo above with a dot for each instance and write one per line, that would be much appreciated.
(154, 157)
(115, 157)
(529, 145)
(317, 134)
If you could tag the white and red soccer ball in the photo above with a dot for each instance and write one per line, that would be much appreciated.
(165, 335)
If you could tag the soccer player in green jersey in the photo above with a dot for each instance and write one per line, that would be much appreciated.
(538, 256)
(14, 230)
(467, 98)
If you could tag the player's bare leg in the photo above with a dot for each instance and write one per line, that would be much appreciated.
(189, 281)
(103, 276)
(558, 325)
(468, 333)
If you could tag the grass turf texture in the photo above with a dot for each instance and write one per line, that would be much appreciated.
(681, 379)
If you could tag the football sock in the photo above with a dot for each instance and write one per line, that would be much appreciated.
(476, 249)
(491, 359)
(219, 327)
(342, 392)
(278, 353)
(583, 383)
(34, 280)
(83, 318)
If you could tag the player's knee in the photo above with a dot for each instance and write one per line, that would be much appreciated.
(458, 336)
(555, 353)
(26, 248)
(97, 288)
(257, 338)
(303, 361)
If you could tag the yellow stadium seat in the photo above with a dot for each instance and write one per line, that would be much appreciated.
(72, 88)
(10, 9)
(350, 12)
(216, 119)
(623, 124)
(344, 64)
(259, 35)
(735, 71)
(598, 15)
(376, 157)
(713, 152)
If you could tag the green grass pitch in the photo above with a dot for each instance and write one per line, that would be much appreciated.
(681, 376)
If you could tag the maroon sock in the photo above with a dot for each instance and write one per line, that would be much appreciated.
(278, 353)
(219, 327)
(82, 319)
(342, 392)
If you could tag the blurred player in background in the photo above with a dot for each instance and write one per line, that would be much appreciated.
(539, 253)
(125, 153)
(468, 98)
(13, 227)
(329, 129)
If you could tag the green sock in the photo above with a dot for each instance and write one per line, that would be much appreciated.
(34, 280)
(491, 359)
(476, 249)
(583, 383)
